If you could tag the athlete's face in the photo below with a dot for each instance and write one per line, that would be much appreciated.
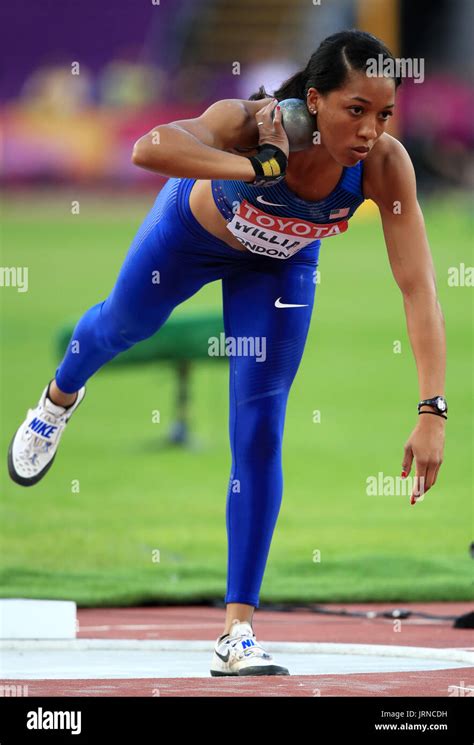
(353, 116)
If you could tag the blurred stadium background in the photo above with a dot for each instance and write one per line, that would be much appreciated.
(117, 495)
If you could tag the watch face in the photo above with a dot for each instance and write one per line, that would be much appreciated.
(441, 404)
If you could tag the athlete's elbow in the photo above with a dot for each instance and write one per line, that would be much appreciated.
(140, 155)
(137, 154)
(144, 152)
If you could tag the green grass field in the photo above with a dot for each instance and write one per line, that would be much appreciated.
(96, 546)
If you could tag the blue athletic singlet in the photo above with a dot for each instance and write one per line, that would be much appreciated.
(274, 221)
(267, 308)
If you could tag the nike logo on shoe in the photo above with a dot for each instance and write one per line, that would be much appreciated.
(278, 304)
(224, 659)
(42, 428)
(271, 204)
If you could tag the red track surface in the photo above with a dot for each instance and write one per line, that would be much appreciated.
(197, 622)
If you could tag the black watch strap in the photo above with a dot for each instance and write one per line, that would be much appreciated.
(436, 413)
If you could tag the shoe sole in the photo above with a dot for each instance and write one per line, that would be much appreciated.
(270, 670)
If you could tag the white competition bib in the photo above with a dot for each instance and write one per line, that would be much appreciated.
(279, 237)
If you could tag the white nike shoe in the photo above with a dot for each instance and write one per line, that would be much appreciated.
(35, 443)
(239, 653)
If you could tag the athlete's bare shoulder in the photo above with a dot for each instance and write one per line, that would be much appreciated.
(388, 172)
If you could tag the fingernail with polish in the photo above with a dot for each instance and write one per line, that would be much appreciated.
(404, 474)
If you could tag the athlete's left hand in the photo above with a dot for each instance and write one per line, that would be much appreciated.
(426, 445)
(271, 130)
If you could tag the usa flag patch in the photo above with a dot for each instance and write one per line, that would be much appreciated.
(337, 214)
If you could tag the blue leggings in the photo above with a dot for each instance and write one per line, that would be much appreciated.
(171, 241)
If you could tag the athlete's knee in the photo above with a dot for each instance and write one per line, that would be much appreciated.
(259, 432)
(119, 330)
(118, 337)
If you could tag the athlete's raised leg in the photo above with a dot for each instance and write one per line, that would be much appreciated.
(168, 261)
(163, 267)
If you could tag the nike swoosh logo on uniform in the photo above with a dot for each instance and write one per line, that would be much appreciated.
(289, 305)
(271, 204)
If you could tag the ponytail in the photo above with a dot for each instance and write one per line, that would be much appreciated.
(261, 93)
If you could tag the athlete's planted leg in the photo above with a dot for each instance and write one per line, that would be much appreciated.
(258, 401)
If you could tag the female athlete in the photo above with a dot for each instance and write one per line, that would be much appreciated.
(238, 207)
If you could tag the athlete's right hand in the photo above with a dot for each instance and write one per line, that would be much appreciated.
(271, 130)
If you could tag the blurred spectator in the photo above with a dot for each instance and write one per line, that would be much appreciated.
(438, 129)
(129, 84)
(193, 84)
(55, 90)
(269, 72)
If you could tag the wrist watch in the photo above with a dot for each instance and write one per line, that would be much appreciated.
(438, 403)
